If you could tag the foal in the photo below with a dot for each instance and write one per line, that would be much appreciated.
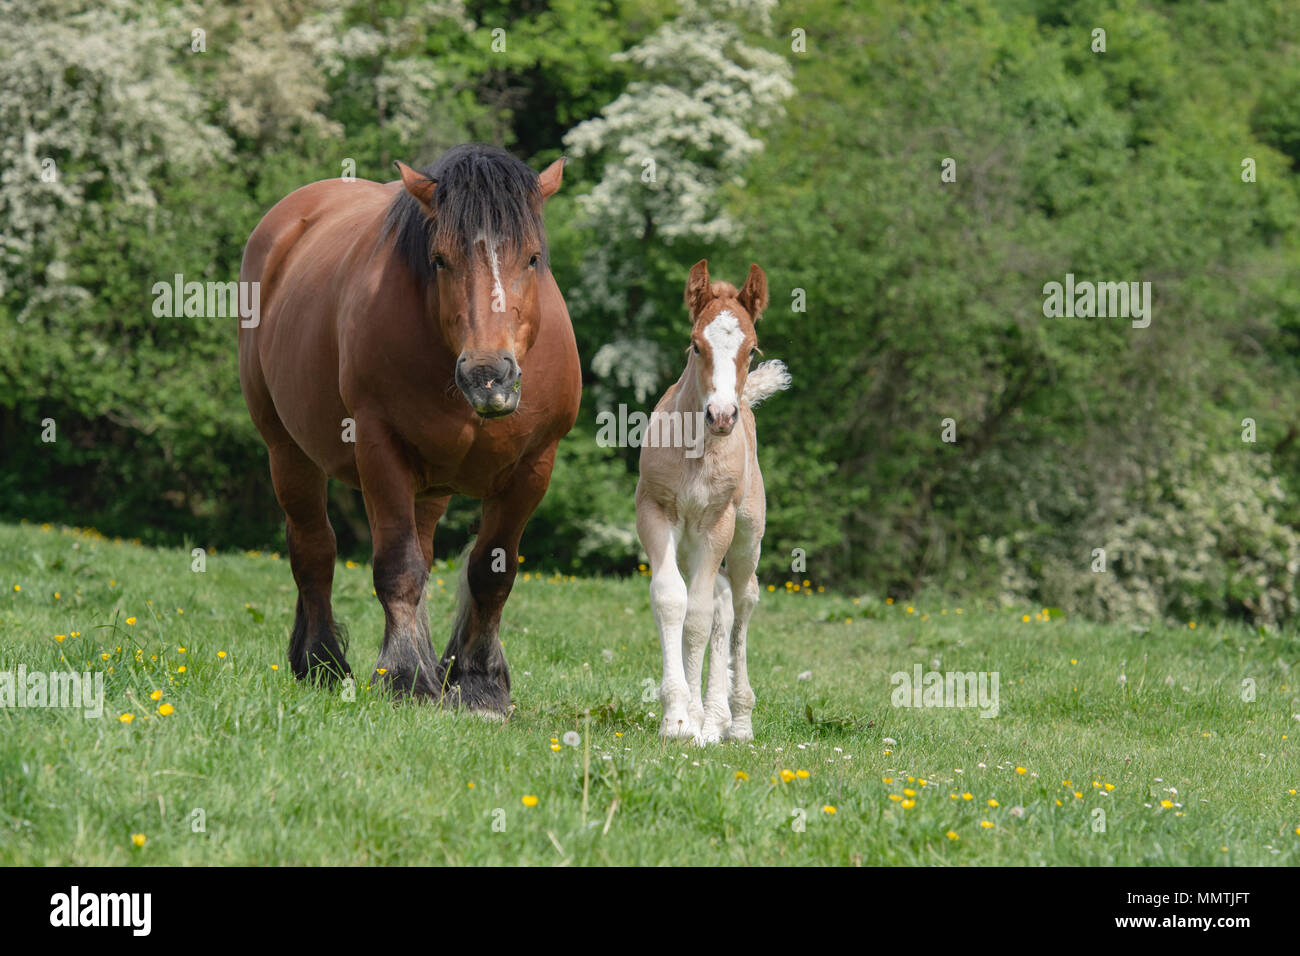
(697, 505)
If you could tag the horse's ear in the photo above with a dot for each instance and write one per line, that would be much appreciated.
(418, 185)
(698, 288)
(754, 295)
(549, 180)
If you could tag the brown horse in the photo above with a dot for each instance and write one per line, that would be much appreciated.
(411, 343)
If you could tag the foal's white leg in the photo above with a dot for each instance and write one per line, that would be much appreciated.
(668, 599)
(717, 711)
(742, 695)
(699, 620)
(742, 560)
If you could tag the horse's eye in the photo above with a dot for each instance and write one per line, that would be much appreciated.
(532, 263)
(695, 348)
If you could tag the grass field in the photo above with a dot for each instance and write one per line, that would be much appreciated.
(1184, 770)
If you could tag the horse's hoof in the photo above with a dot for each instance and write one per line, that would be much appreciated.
(404, 682)
(478, 693)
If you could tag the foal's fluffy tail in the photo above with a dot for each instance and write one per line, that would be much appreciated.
(765, 381)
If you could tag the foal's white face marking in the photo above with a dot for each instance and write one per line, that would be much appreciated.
(725, 337)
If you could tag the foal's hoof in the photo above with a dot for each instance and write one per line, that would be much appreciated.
(713, 732)
(741, 729)
(680, 728)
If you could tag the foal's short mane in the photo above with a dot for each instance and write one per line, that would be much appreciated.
(482, 191)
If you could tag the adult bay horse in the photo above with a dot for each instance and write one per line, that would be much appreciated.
(411, 343)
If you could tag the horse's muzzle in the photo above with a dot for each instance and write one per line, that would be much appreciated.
(491, 387)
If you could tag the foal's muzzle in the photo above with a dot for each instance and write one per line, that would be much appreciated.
(490, 384)
(720, 418)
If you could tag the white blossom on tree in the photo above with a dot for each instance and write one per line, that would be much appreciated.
(670, 144)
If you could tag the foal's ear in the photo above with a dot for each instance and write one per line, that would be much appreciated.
(698, 288)
(549, 180)
(418, 185)
(754, 295)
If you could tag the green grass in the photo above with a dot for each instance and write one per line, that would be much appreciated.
(284, 773)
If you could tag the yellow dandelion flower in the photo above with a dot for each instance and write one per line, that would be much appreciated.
(181, 669)
(275, 667)
(908, 804)
(1167, 804)
(887, 779)
(828, 809)
(60, 638)
(180, 650)
(381, 670)
(993, 803)
(986, 825)
(895, 797)
(889, 600)
(104, 656)
(787, 775)
(908, 793)
(221, 655)
(1024, 619)
(802, 774)
(470, 784)
(156, 695)
(618, 733)
(529, 800)
(1110, 786)
(127, 718)
(131, 621)
(138, 839)
(952, 835)
(1021, 770)
(741, 775)
(555, 746)
(968, 796)
(166, 710)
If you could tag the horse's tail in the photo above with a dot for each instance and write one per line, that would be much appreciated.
(765, 381)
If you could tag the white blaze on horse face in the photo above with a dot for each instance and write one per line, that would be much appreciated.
(498, 291)
(725, 337)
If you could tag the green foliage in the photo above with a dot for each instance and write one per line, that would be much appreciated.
(923, 297)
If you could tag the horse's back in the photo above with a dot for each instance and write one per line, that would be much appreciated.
(294, 254)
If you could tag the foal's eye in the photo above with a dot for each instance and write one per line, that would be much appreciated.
(532, 263)
(439, 263)
(695, 348)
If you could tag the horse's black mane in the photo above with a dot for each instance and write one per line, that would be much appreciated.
(481, 190)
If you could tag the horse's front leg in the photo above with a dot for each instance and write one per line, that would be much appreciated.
(477, 675)
(705, 559)
(407, 662)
